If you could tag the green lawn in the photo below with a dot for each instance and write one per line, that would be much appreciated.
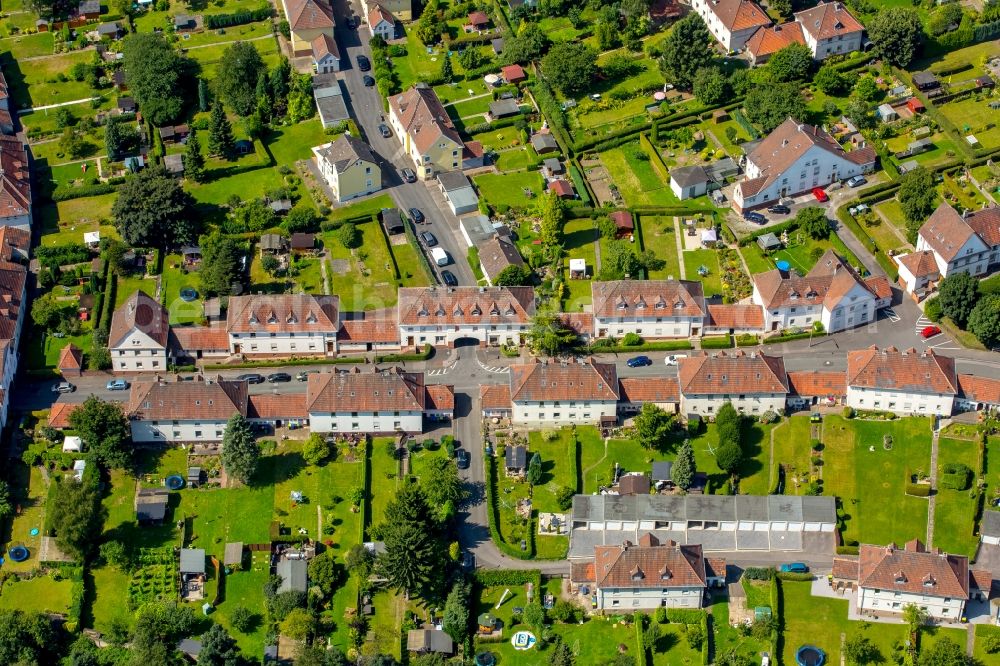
(597, 461)
(129, 285)
(41, 79)
(516, 159)
(556, 458)
(638, 183)
(384, 478)
(659, 236)
(43, 594)
(887, 226)
(793, 451)
(579, 236)
(726, 638)
(955, 510)
(982, 632)
(802, 252)
(370, 281)
(470, 108)
(66, 221)
(44, 349)
(500, 190)
(175, 279)
(972, 115)
(30, 493)
(694, 259)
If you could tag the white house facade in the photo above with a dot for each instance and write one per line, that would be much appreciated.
(380, 402)
(653, 309)
(139, 334)
(283, 325)
(177, 412)
(962, 243)
(903, 382)
(830, 29)
(441, 316)
(753, 383)
(554, 394)
(731, 22)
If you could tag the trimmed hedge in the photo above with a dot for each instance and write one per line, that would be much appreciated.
(788, 575)
(398, 358)
(497, 577)
(238, 18)
(790, 336)
(758, 573)
(685, 616)
(918, 489)
(717, 342)
(848, 550)
(339, 360)
(665, 345)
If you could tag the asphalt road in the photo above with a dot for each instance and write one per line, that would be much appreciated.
(365, 105)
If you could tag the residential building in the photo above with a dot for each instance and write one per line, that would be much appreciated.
(653, 309)
(494, 400)
(650, 574)
(15, 184)
(429, 137)
(830, 29)
(903, 382)
(349, 167)
(564, 393)
(978, 393)
(793, 159)
(442, 316)
(768, 40)
(497, 254)
(175, 412)
(717, 522)
(325, 54)
(283, 325)
(376, 401)
(190, 344)
(832, 293)
(401, 9)
(138, 338)
(734, 318)
(753, 383)
(307, 19)
(966, 242)
(731, 22)
(816, 387)
(634, 392)
(381, 22)
(458, 192)
(429, 640)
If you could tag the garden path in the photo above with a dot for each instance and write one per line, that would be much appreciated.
(252, 39)
(770, 479)
(678, 233)
(326, 280)
(932, 499)
(970, 639)
(31, 109)
(466, 99)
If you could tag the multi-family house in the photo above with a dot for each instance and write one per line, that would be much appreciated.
(381, 22)
(830, 29)
(307, 20)
(138, 338)
(731, 22)
(903, 382)
(793, 159)
(650, 574)
(754, 383)
(283, 325)
(384, 401)
(832, 293)
(564, 393)
(349, 167)
(15, 184)
(962, 242)
(401, 9)
(770, 39)
(652, 309)
(176, 412)
(429, 136)
(325, 54)
(445, 315)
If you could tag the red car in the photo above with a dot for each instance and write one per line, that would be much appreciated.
(930, 332)
(820, 194)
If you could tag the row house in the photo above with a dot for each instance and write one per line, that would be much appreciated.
(966, 242)
(731, 22)
(564, 393)
(754, 383)
(175, 412)
(283, 325)
(903, 382)
(445, 315)
(653, 309)
(13, 285)
(15, 184)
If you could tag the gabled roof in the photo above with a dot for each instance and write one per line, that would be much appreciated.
(139, 313)
(70, 358)
(637, 390)
(283, 313)
(920, 264)
(739, 14)
(492, 396)
(168, 401)
(588, 380)
(281, 406)
(309, 14)
(151, 504)
(377, 14)
(325, 45)
(15, 181)
(437, 306)
(913, 569)
(452, 181)
(648, 298)
(910, 370)
(979, 389)
(562, 188)
(649, 565)
(946, 231)
(771, 39)
(828, 20)
(731, 372)
(440, 398)
(423, 117)
(735, 316)
(293, 575)
(369, 329)
(14, 243)
(827, 283)
(59, 414)
(429, 640)
(199, 338)
(689, 176)
(12, 288)
(879, 286)
(515, 457)
(497, 254)
(817, 383)
(388, 390)
(192, 560)
(345, 152)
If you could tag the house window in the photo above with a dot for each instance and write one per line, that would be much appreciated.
(197, 433)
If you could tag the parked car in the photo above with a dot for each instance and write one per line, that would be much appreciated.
(820, 194)
(251, 378)
(117, 385)
(779, 209)
(815, 417)
(672, 359)
(755, 217)
(409, 176)
(794, 567)
(63, 387)
(449, 278)
(857, 181)
(417, 215)
(638, 361)
(462, 459)
(368, 81)
(384, 130)
(930, 332)
(304, 375)
(429, 238)
(364, 64)
(276, 377)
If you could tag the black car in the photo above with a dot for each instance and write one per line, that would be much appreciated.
(429, 238)
(251, 378)
(757, 218)
(277, 377)
(779, 209)
(449, 278)
(417, 215)
(363, 63)
(462, 459)
(384, 130)
(368, 81)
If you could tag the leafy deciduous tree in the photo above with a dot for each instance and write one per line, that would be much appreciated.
(236, 81)
(769, 106)
(104, 428)
(570, 66)
(653, 425)
(155, 73)
(958, 294)
(152, 210)
(791, 63)
(687, 49)
(984, 320)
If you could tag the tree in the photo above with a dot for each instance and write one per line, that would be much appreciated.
(830, 81)
(944, 18)
(73, 144)
(549, 336)
(6, 505)
(526, 45)
(553, 213)
(298, 624)
(236, 81)
(76, 517)
(155, 73)
(220, 264)
(958, 294)
(944, 652)
(48, 313)
(917, 197)
(860, 113)
(152, 210)
(325, 572)
(866, 89)
(770, 105)
(456, 612)
(243, 619)
(791, 63)
(860, 650)
(220, 132)
(359, 561)
(782, 7)
(570, 66)
(316, 655)
(27, 637)
(413, 550)
(349, 236)
(194, 161)
(204, 97)
(534, 615)
(240, 451)
(430, 26)
(104, 428)
(218, 648)
(896, 34)
(513, 276)
(814, 222)
(270, 264)
(562, 655)
(447, 71)
(120, 137)
(653, 425)
(728, 457)
(682, 472)
(914, 616)
(710, 85)
(534, 475)
(316, 449)
(440, 482)
(686, 49)
(984, 320)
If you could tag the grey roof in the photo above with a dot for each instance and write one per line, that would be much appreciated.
(429, 640)
(598, 508)
(750, 146)
(504, 107)
(464, 198)
(329, 99)
(89, 7)
(190, 647)
(543, 141)
(273, 242)
(151, 504)
(497, 44)
(391, 219)
(553, 164)
(293, 575)
(174, 163)
(720, 169)
(233, 553)
(689, 176)
(192, 560)
(212, 306)
(768, 241)
(453, 180)
(516, 457)
(108, 29)
(920, 144)
(909, 165)
(661, 470)
(990, 525)
(345, 151)
(924, 78)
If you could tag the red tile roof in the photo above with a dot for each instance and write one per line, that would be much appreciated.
(920, 264)
(283, 313)
(139, 313)
(650, 565)
(14, 239)
(309, 14)
(827, 283)
(651, 299)
(70, 358)
(828, 20)
(736, 316)
(59, 414)
(911, 371)
(817, 383)
(15, 181)
(199, 338)
(979, 389)
(582, 572)
(279, 406)
(368, 330)
(377, 14)
(513, 73)
(423, 117)
(438, 306)
(323, 46)
(209, 400)
(739, 14)
(715, 567)
(879, 285)
(494, 396)
(562, 188)
(731, 372)
(946, 231)
(981, 580)
(478, 18)
(581, 323)
(770, 39)
(538, 381)
(622, 220)
(441, 398)
(388, 390)
(913, 569)
(845, 568)
(649, 389)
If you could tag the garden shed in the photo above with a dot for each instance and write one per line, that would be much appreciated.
(769, 242)
(72, 444)
(233, 554)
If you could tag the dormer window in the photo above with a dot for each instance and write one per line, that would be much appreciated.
(291, 318)
(660, 304)
(272, 318)
(929, 581)
(640, 304)
(476, 310)
(900, 577)
(439, 312)
(622, 304)
(253, 318)
(510, 311)
(311, 318)
(423, 311)
(665, 573)
(458, 312)
(495, 310)
(679, 305)
(637, 573)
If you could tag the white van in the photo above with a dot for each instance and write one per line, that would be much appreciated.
(440, 257)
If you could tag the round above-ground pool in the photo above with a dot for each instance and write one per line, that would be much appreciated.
(783, 265)
(175, 482)
(188, 294)
(18, 553)
(810, 655)
(523, 640)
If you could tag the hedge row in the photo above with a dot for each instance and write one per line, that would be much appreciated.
(364, 516)
(789, 337)
(641, 653)
(664, 345)
(655, 159)
(788, 575)
(918, 489)
(215, 21)
(398, 358)
(97, 189)
(505, 577)
(685, 615)
(848, 550)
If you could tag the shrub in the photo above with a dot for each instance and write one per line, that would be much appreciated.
(956, 476)
(918, 489)
(758, 573)
(770, 416)
(632, 340)
(848, 412)
(932, 309)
